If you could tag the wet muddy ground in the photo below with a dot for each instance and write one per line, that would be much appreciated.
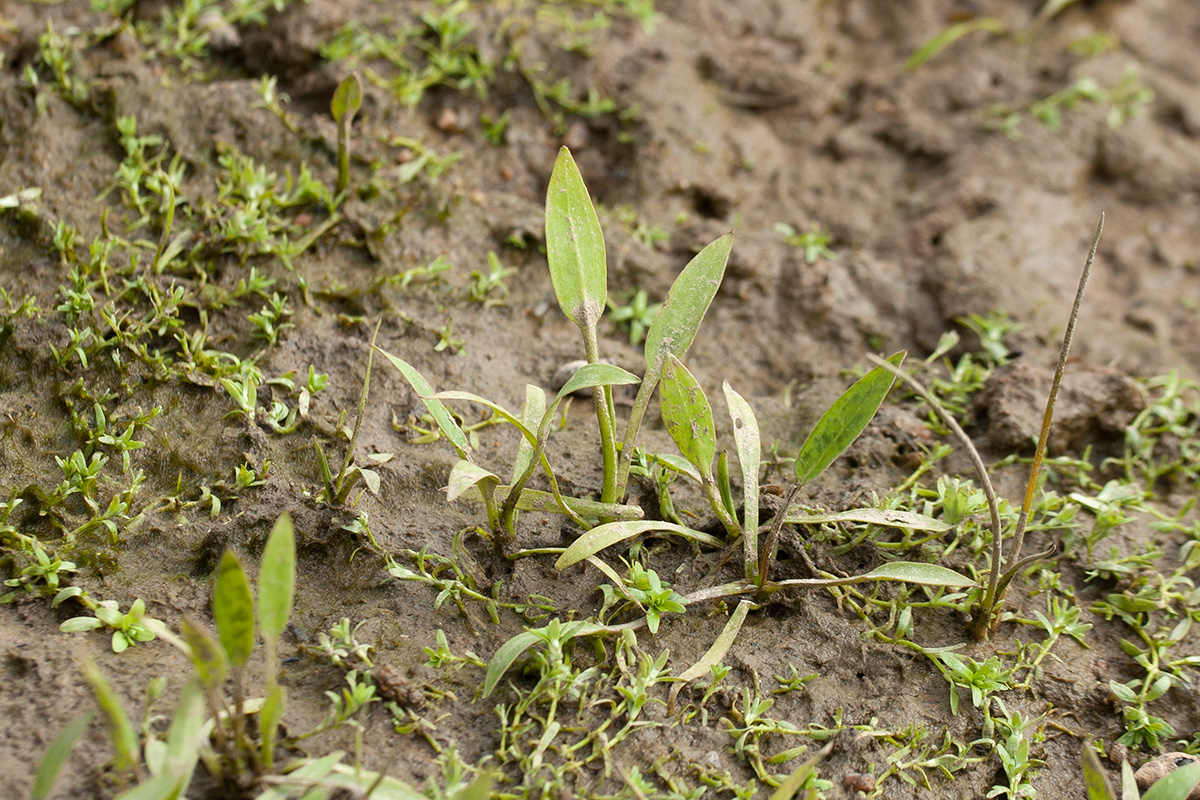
(969, 184)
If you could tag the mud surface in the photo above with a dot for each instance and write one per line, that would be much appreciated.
(727, 116)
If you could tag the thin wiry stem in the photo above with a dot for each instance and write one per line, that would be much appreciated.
(1063, 352)
(976, 460)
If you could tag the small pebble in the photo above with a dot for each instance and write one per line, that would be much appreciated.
(857, 782)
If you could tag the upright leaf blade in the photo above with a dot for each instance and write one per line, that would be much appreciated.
(56, 755)
(531, 416)
(688, 416)
(575, 245)
(277, 579)
(347, 98)
(121, 730)
(749, 448)
(1094, 777)
(233, 609)
(437, 409)
(844, 421)
(687, 302)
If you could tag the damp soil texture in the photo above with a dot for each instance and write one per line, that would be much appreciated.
(187, 300)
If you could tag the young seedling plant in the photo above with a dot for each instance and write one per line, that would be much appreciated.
(576, 256)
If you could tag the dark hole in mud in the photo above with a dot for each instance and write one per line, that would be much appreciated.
(708, 204)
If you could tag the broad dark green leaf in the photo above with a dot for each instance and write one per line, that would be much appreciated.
(575, 245)
(277, 579)
(437, 410)
(347, 98)
(1094, 776)
(610, 533)
(120, 729)
(687, 415)
(687, 302)
(844, 421)
(233, 609)
(56, 755)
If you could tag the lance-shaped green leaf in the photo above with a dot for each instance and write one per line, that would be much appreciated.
(546, 502)
(531, 417)
(610, 533)
(688, 417)
(437, 410)
(233, 610)
(1094, 776)
(347, 98)
(844, 421)
(906, 520)
(673, 330)
(748, 441)
(906, 571)
(792, 783)
(269, 718)
(56, 755)
(592, 375)
(687, 302)
(715, 652)
(466, 474)
(121, 731)
(206, 655)
(511, 650)
(575, 245)
(277, 580)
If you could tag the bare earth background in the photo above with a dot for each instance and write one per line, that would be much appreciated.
(746, 114)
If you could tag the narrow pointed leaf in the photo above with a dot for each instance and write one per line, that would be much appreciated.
(233, 609)
(916, 572)
(535, 500)
(748, 441)
(268, 722)
(792, 783)
(206, 656)
(277, 579)
(509, 652)
(591, 375)
(575, 245)
(463, 476)
(531, 417)
(504, 413)
(1094, 776)
(687, 415)
(56, 755)
(121, 730)
(720, 645)
(437, 410)
(604, 536)
(1129, 788)
(906, 520)
(687, 302)
(844, 421)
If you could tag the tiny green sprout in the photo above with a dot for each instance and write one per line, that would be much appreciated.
(271, 320)
(655, 595)
(128, 628)
(447, 340)
(488, 288)
(347, 100)
(815, 243)
(638, 315)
